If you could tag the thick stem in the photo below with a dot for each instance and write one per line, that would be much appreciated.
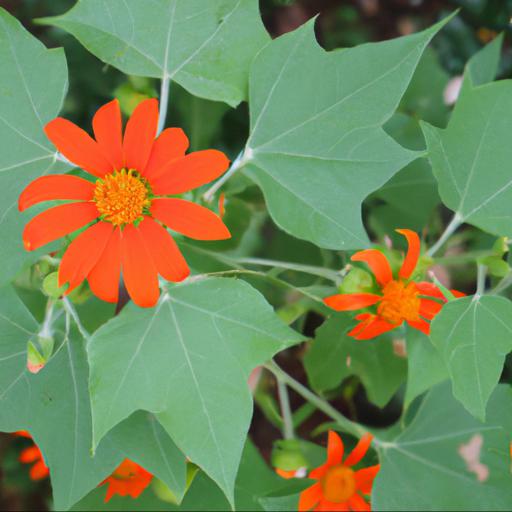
(480, 280)
(286, 412)
(240, 161)
(319, 403)
(450, 229)
(164, 102)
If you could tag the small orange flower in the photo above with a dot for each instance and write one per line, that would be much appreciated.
(129, 479)
(33, 454)
(128, 208)
(339, 487)
(401, 299)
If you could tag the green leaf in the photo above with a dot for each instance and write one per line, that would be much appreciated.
(317, 147)
(483, 66)
(33, 84)
(473, 335)
(206, 47)
(334, 356)
(142, 439)
(188, 360)
(52, 405)
(422, 469)
(470, 158)
(253, 481)
(425, 366)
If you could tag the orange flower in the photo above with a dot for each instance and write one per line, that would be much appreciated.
(128, 208)
(339, 486)
(129, 479)
(401, 299)
(33, 454)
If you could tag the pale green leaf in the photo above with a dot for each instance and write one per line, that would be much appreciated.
(33, 83)
(483, 66)
(52, 405)
(334, 356)
(473, 335)
(471, 157)
(188, 360)
(317, 147)
(206, 47)
(423, 469)
(425, 366)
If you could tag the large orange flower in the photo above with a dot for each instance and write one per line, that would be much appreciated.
(33, 455)
(401, 298)
(339, 486)
(129, 479)
(128, 208)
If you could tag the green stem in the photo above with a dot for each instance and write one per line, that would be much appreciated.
(480, 280)
(351, 427)
(286, 412)
(239, 162)
(164, 102)
(74, 315)
(326, 273)
(502, 285)
(461, 259)
(448, 232)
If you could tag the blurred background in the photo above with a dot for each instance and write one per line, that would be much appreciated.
(341, 23)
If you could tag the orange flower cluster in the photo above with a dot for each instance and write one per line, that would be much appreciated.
(129, 479)
(339, 487)
(33, 455)
(401, 299)
(128, 208)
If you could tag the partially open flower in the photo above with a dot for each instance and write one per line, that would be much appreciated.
(32, 455)
(401, 299)
(129, 479)
(339, 486)
(128, 207)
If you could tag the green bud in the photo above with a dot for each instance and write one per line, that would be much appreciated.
(51, 286)
(288, 456)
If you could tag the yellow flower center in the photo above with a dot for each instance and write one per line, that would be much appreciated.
(400, 302)
(339, 484)
(122, 197)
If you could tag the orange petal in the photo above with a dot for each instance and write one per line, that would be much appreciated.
(57, 186)
(351, 301)
(77, 146)
(330, 506)
(310, 497)
(30, 454)
(105, 275)
(170, 145)
(420, 325)
(319, 472)
(413, 253)
(139, 272)
(56, 223)
(359, 451)
(359, 504)
(140, 134)
(364, 478)
(372, 329)
(190, 219)
(190, 172)
(107, 124)
(378, 264)
(168, 260)
(429, 308)
(430, 289)
(82, 254)
(334, 449)
(39, 470)
(365, 319)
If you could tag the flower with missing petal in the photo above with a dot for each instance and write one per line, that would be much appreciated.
(129, 479)
(127, 209)
(32, 455)
(401, 299)
(339, 487)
